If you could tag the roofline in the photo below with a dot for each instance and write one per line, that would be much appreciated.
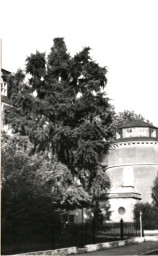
(136, 123)
(6, 71)
(138, 126)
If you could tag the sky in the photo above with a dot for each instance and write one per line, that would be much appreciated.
(122, 35)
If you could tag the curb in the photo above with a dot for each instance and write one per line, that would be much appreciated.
(57, 252)
(151, 238)
(150, 252)
(91, 247)
(101, 246)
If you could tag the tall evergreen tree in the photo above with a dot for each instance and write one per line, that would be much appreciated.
(65, 112)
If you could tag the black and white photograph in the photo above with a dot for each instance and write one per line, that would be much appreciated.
(79, 127)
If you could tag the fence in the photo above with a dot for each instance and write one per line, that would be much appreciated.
(69, 235)
(117, 230)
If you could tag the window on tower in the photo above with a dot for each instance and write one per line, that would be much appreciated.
(153, 133)
(127, 133)
(142, 132)
(118, 135)
(136, 132)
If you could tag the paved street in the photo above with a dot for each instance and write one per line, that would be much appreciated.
(135, 249)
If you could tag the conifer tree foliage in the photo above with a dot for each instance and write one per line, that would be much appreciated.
(65, 112)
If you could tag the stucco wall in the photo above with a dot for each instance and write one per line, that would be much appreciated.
(127, 203)
(143, 179)
(129, 153)
(143, 158)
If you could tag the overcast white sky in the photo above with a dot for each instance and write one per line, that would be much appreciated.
(123, 35)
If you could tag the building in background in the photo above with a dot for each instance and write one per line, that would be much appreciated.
(4, 100)
(132, 167)
(4, 85)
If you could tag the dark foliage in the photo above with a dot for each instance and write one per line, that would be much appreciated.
(149, 215)
(155, 191)
(64, 111)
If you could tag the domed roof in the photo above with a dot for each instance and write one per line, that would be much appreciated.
(136, 123)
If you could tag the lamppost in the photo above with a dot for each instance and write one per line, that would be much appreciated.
(141, 226)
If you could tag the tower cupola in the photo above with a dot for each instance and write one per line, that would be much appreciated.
(137, 129)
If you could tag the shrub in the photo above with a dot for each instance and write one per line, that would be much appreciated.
(149, 215)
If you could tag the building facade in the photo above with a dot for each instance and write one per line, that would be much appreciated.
(132, 167)
(4, 100)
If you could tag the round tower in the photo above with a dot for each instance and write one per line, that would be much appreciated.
(132, 165)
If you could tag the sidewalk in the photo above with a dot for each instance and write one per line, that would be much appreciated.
(151, 232)
(135, 249)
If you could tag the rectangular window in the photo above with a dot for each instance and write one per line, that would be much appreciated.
(153, 133)
(141, 132)
(136, 132)
(4, 89)
(127, 133)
